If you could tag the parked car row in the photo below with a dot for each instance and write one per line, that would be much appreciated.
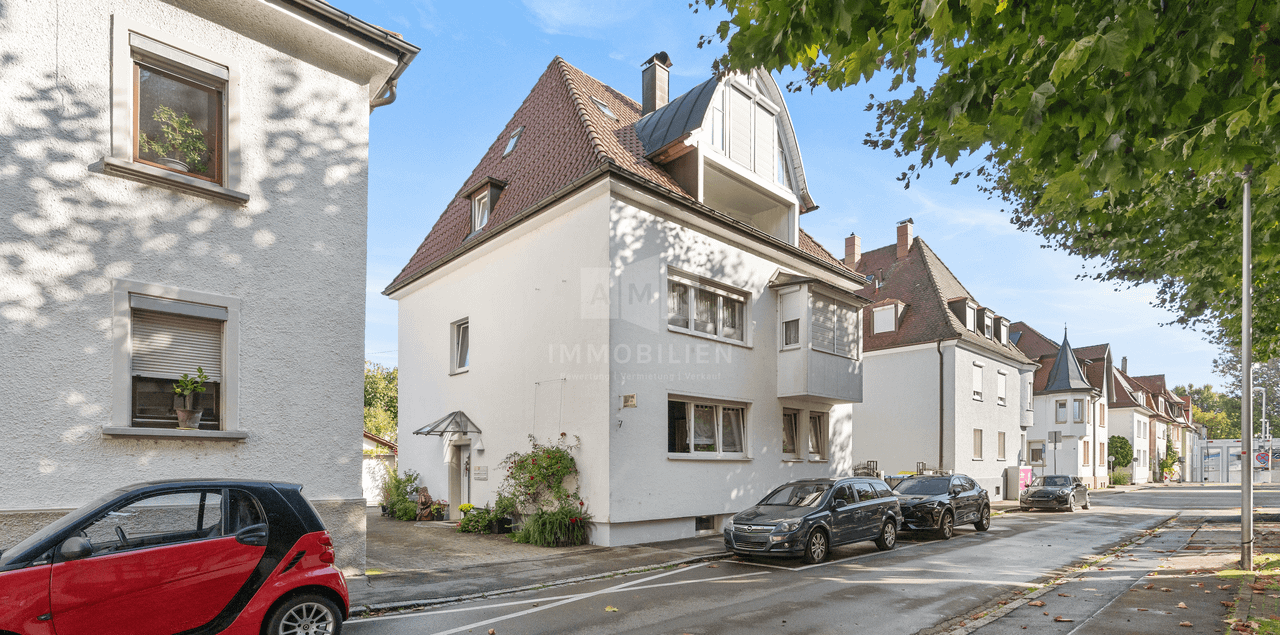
(807, 518)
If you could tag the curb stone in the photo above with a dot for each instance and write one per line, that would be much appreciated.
(409, 605)
(990, 615)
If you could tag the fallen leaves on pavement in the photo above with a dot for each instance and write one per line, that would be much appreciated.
(1151, 586)
(1063, 619)
(1227, 604)
(610, 609)
(1182, 605)
(1035, 603)
(1064, 595)
(1188, 624)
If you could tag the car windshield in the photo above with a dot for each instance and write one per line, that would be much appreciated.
(924, 486)
(1052, 481)
(797, 495)
(11, 553)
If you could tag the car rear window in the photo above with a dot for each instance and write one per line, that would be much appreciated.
(882, 490)
(924, 486)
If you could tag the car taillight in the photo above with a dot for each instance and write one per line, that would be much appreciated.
(326, 556)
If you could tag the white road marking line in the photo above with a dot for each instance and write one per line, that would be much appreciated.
(526, 602)
(575, 598)
(823, 564)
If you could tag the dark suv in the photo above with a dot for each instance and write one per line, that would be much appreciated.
(939, 503)
(193, 556)
(806, 518)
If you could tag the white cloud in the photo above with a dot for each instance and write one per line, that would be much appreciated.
(582, 18)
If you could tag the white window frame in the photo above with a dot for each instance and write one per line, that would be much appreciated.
(971, 317)
(889, 316)
(691, 404)
(796, 437)
(693, 284)
(481, 209)
(977, 444)
(179, 53)
(1031, 398)
(987, 331)
(1002, 381)
(821, 436)
(977, 381)
(1031, 448)
(455, 330)
(1004, 332)
(1060, 407)
(513, 141)
(789, 345)
(1001, 451)
(1077, 411)
(121, 422)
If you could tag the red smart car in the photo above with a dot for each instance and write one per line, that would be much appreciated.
(190, 556)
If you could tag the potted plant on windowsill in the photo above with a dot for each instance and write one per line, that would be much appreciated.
(181, 144)
(187, 387)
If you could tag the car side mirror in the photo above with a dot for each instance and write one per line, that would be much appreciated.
(253, 535)
(839, 502)
(75, 548)
(956, 490)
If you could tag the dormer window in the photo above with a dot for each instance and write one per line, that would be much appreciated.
(971, 317)
(480, 210)
(511, 143)
(986, 327)
(882, 319)
(603, 108)
(1004, 332)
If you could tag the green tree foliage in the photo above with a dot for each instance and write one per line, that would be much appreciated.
(542, 485)
(1122, 449)
(1266, 375)
(1115, 129)
(1217, 424)
(381, 409)
(1217, 412)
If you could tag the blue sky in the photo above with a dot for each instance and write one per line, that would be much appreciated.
(480, 59)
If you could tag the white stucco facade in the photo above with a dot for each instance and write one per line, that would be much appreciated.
(593, 328)
(1134, 424)
(903, 419)
(288, 264)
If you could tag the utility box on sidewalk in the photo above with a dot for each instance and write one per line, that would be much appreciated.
(1016, 479)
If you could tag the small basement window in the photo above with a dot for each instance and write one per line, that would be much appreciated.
(704, 523)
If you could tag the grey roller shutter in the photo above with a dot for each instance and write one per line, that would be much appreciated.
(166, 345)
(740, 129)
(823, 325)
(765, 134)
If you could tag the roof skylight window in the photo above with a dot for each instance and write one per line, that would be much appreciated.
(511, 143)
(603, 108)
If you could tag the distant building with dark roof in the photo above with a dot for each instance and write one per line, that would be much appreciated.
(632, 276)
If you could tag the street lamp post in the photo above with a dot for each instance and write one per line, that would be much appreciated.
(1246, 383)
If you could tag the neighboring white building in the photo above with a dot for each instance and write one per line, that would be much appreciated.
(944, 387)
(1071, 398)
(1131, 416)
(634, 277)
(379, 461)
(126, 264)
(1170, 420)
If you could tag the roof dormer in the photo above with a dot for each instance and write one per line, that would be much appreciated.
(484, 196)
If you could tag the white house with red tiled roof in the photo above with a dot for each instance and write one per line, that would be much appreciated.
(634, 276)
(945, 388)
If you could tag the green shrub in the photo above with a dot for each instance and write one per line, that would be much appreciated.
(1122, 449)
(400, 494)
(560, 527)
(477, 521)
(1119, 478)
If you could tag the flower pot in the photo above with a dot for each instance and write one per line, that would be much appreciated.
(501, 526)
(188, 419)
(438, 516)
(174, 164)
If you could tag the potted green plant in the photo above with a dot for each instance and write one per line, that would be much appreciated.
(180, 145)
(187, 387)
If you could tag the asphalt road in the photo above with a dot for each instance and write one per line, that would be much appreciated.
(919, 585)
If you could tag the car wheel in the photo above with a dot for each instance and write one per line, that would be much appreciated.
(1072, 502)
(984, 519)
(1024, 509)
(947, 526)
(815, 548)
(306, 615)
(1086, 500)
(888, 536)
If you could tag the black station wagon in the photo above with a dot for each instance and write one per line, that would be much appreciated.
(806, 518)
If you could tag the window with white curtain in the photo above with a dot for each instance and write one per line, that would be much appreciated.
(700, 309)
(705, 428)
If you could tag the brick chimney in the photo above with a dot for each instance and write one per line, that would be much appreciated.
(655, 79)
(852, 251)
(906, 232)
(1124, 365)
